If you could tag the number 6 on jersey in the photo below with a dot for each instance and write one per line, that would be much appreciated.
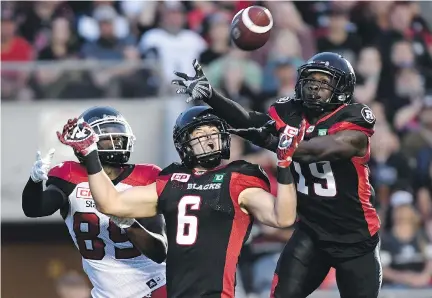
(187, 225)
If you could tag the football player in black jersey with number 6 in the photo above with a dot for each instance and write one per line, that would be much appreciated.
(208, 208)
(338, 224)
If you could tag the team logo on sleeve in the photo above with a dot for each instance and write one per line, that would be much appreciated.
(368, 115)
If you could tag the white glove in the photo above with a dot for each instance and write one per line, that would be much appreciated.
(123, 223)
(41, 166)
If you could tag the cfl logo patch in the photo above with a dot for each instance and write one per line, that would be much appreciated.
(290, 131)
(181, 177)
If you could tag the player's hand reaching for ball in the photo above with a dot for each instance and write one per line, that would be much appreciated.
(197, 87)
(289, 139)
(39, 171)
(79, 135)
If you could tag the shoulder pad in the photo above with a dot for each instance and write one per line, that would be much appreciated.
(69, 171)
(143, 174)
(355, 117)
(359, 113)
(249, 169)
(282, 111)
(172, 168)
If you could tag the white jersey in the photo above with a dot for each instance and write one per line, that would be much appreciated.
(114, 266)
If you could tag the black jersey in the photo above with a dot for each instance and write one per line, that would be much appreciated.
(206, 227)
(335, 199)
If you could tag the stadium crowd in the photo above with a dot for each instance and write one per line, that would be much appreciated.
(129, 49)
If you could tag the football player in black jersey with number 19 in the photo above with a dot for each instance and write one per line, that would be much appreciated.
(338, 224)
(208, 208)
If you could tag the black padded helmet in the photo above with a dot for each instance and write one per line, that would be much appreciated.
(342, 83)
(111, 126)
(188, 121)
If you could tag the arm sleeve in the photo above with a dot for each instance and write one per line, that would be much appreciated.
(235, 114)
(248, 176)
(37, 202)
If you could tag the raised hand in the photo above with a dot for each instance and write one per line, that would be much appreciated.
(79, 135)
(197, 87)
(39, 171)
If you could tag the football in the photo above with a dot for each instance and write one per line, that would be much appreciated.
(251, 27)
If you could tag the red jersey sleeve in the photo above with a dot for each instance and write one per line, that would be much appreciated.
(248, 176)
(69, 171)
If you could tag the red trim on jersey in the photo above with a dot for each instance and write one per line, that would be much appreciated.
(350, 126)
(275, 282)
(69, 171)
(240, 225)
(329, 115)
(142, 175)
(365, 158)
(159, 293)
(161, 182)
(274, 115)
(364, 193)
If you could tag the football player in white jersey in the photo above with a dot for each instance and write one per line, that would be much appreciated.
(123, 258)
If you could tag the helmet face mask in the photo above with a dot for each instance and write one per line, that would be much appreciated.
(201, 138)
(325, 82)
(116, 139)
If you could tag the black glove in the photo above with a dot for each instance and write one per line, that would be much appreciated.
(265, 136)
(197, 87)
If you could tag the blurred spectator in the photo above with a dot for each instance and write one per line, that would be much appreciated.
(368, 75)
(218, 37)
(37, 24)
(54, 82)
(389, 167)
(108, 46)
(89, 25)
(229, 74)
(287, 17)
(406, 253)
(417, 146)
(13, 49)
(72, 285)
(172, 45)
(338, 38)
(200, 11)
(63, 43)
(408, 101)
(285, 78)
(286, 46)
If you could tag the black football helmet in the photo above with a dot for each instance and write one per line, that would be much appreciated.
(188, 121)
(342, 83)
(116, 139)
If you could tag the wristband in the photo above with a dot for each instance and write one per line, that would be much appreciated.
(92, 163)
(284, 175)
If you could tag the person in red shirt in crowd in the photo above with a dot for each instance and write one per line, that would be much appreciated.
(13, 49)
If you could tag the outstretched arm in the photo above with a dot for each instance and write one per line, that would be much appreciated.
(139, 201)
(199, 88)
(234, 114)
(342, 145)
